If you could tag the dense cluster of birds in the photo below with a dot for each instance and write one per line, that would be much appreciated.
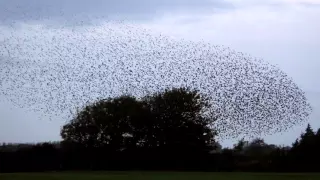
(53, 70)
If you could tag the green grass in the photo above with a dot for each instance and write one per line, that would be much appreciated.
(156, 176)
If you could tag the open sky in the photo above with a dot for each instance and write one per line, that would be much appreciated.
(282, 32)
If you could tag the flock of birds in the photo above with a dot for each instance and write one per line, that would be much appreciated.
(56, 70)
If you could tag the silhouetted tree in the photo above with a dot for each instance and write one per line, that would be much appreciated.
(165, 125)
(178, 121)
(109, 122)
(240, 146)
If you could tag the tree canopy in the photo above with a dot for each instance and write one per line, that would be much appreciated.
(172, 119)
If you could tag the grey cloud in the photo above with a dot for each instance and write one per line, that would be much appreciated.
(76, 10)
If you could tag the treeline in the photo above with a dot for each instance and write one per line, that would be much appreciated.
(169, 130)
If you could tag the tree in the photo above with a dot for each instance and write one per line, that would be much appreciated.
(106, 122)
(308, 133)
(179, 121)
(307, 140)
(317, 142)
(240, 146)
(318, 133)
(295, 144)
(257, 149)
(172, 120)
(304, 150)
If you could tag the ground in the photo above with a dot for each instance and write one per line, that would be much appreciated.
(156, 176)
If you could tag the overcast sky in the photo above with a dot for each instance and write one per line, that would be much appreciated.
(282, 32)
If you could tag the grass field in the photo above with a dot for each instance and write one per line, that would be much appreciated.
(156, 176)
